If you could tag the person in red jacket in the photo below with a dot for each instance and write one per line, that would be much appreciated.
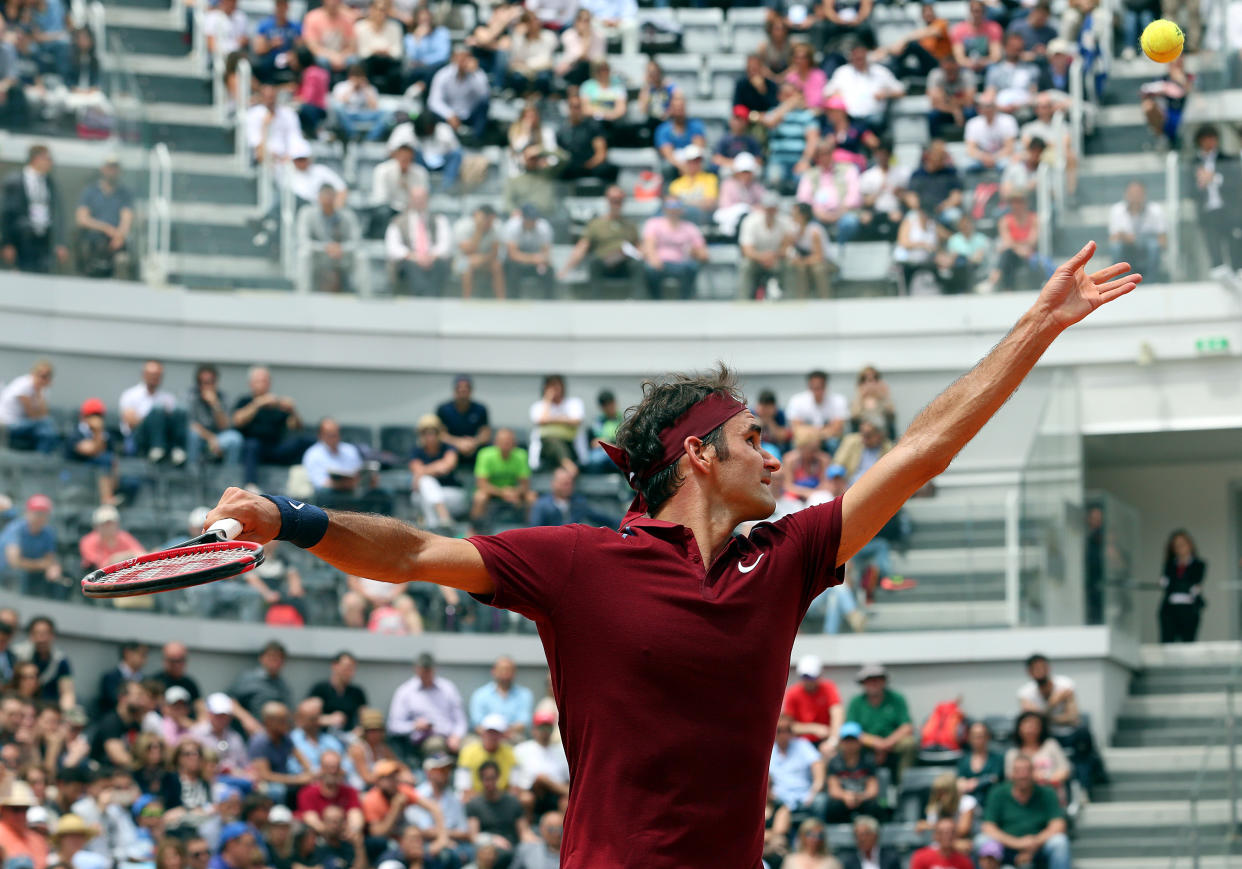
(815, 705)
(941, 854)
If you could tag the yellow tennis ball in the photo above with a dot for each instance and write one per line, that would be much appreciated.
(1162, 40)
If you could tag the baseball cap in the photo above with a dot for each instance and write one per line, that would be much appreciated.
(390, 864)
(770, 199)
(741, 112)
(691, 152)
(834, 471)
(112, 158)
(992, 849)
(279, 814)
(388, 766)
(545, 716)
(530, 211)
(429, 420)
(231, 831)
(37, 816)
(41, 503)
(851, 730)
(673, 204)
(437, 761)
(495, 721)
(1060, 46)
(220, 703)
(105, 513)
(745, 162)
(176, 694)
(810, 666)
(299, 150)
(871, 671)
(93, 407)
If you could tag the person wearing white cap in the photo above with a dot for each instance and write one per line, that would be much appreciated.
(108, 542)
(764, 238)
(438, 788)
(698, 189)
(740, 192)
(392, 180)
(217, 733)
(814, 704)
(307, 178)
(105, 216)
(491, 745)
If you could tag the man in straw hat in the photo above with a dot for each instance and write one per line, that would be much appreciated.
(669, 640)
(69, 843)
(16, 837)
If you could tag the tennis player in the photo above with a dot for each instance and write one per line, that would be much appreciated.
(669, 639)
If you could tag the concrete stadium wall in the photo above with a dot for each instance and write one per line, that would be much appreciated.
(983, 667)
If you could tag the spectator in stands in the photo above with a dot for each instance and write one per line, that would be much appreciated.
(541, 773)
(528, 251)
(328, 789)
(235, 848)
(107, 543)
(341, 696)
(133, 660)
(991, 136)
(419, 245)
(394, 180)
(1027, 819)
(937, 181)
(333, 466)
(861, 449)
(951, 88)
(868, 851)
(330, 36)
(489, 745)
(818, 410)
(545, 852)
(28, 552)
(604, 97)
(1032, 740)
(478, 242)
(269, 425)
(1018, 261)
(278, 765)
(24, 411)
(255, 688)
(672, 136)
(1055, 698)
(466, 423)
(697, 189)
(1037, 32)
(772, 419)
(582, 140)
(603, 430)
(355, 106)
(809, 267)
(776, 50)
(55, 670)
(1182, 589)
(454, 841)
(226, 30)
(796, 771)
(272, 131)
(215, 732)
(370, 749)
(866, 88)
(275, 39)
(831, 187)
(740, 193)
(379, 607)
(885, 719)
(328, 237)
(1012, 81)
(977, 40)
(531, 57)
(379, 43)
(1049, 124)
(853, 788)
(1214, 178)
(946, 803)
(459, 95)
(501, 472)
(14, 110)
(428, 47)
(209, 423)
(881, 185)
(655, 96)
(966, 253)
(427, 705)
(764, 239)
(558, 436)
(918, 239)
(673, 248)
(30, 217)
(91, 444)
(21, 842)
(738, 141)
(534, 182)
(616, 20)
(582, 45)
(310, 738)
(943, 852)
(436, 148)
(104, 218)
(872, 397)
(814, 705)
(980, 767)
(152, 419)
(806, 76)
(793, 136)
(755, 93)
(497, 812)
(312, 83)
(1136, 230)
(175, 657)
(433, 467)
(921, 51)
(562, 506)
(117, 732)
(1055, 74)
(609, 244)
(504, 697)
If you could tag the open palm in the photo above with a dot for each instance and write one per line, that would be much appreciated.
(1071, 294)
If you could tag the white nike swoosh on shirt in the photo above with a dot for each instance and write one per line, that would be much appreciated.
(744, 569)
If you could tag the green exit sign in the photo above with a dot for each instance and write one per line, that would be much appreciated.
(1215, 344)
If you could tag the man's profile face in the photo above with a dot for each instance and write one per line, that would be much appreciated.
(745, 476)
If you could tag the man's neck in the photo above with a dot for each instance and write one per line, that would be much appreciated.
(709, 520)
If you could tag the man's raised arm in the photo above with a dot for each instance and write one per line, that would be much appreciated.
(956, 415)
(362, 544)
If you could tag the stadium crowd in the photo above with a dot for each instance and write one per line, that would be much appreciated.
(154, 768)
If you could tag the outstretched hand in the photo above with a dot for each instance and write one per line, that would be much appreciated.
(1071, 294)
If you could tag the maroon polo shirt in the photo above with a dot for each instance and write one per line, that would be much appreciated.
(669, 679)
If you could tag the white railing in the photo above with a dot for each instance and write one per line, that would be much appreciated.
(288, 223)
(239, 110)
(176, 13)
(1077, 105)
(1043, 209)
(159, 213)
(1013, 557)
(96, 21)
(198, 44)
(1173, 212)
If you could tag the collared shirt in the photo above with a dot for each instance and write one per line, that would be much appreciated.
(1148, 223)
(313, 750)
(390, 186)
(321, 463)
(451, 806)
(859, 88)
(534, 760)
(516, 706)
(440, 704)
(789, 772)
(452, 95)
(255, 687)
(808, 707)
(641, 637)
(763, 235)
(284, 132)
(402, 234)
(141, 401)
(306, 185)
(802, 407)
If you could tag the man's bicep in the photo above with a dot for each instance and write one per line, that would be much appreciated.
(877, 496)
(455, 563)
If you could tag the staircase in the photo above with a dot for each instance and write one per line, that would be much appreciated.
(1140, 820)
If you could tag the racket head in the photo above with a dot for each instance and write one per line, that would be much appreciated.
(169, 569)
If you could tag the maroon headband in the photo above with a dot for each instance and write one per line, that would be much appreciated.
(700, 420)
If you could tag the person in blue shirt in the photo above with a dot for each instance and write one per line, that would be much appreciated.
(428, 47)
(562, 506)
(236, 848)
(28, 548)
(796, 771)
(51, 37)
(274, 38)
(676, 133)
(466, 424)
(502, 696)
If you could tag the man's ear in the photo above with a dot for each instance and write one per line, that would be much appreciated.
(700, 454)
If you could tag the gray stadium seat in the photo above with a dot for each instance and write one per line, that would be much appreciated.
(685, 71)
(723, 71)
(702, 30)
(746, 29)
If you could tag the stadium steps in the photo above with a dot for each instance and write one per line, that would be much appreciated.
(891, 614)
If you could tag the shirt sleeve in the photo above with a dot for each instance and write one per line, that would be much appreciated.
(815, 533)
(529, 567)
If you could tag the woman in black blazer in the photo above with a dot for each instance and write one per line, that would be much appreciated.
(1182, 582)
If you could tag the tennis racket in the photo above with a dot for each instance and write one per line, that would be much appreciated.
(210, 556)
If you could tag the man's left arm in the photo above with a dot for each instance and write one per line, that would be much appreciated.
(946, 425)
(1055, 827)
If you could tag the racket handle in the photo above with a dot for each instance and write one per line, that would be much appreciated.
(227, 528)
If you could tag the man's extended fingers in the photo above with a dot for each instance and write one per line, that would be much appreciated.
(1117, 292)
(1110, 272)
(1081, 258)
(1112, 285)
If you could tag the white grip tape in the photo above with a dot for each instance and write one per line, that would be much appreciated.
(230, 527)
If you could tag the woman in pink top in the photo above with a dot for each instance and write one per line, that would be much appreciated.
(107, 543)
(805, 74)
(311, 95)
(831, 187)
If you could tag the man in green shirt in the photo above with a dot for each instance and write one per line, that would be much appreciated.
(885, 720)
(606, 240)
(501, 472)
(1027, 819)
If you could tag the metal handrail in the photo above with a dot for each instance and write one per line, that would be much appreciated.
(1013, 557)
(288, 218)
(1173, 209)
(159, 211)
(239, 111)
(198, 44)
(1077, 106)
(96, 20)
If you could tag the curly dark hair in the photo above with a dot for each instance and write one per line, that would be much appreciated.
(664, 400)
(1017, 727)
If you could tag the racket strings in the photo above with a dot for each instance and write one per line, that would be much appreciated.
(179, 563)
